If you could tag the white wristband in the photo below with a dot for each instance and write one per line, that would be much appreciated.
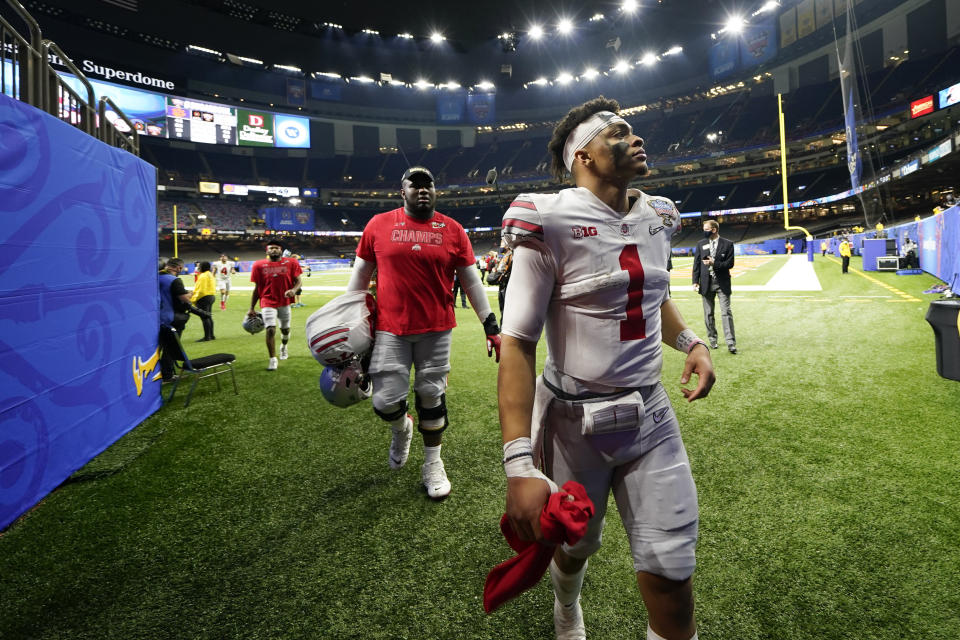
(687, 340)
(518, 462)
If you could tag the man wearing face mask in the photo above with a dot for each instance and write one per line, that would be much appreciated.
(416, 251)
(712, 261)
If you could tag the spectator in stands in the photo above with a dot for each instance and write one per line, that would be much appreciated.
(845, 253)
(712, 261)
(204, 294)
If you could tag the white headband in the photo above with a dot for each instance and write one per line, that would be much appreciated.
(587, 131)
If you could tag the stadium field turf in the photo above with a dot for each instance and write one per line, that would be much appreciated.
(825, 460)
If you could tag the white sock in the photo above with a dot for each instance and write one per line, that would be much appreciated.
(566, 586)
(653, 635)
(431, 454)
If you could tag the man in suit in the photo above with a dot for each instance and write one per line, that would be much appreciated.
(712, 261)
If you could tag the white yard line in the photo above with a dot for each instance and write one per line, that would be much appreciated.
(796, 274)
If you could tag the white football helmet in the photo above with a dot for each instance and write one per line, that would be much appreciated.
(342, 330)
(345, 385)
(253, 324)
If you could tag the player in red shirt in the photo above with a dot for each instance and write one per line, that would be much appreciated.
(275, 282)
(416, 251)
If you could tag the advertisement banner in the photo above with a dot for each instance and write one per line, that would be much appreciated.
(481, 108)
(254, 128)
(949, 96)
(296, 92)
(921, 107)
(451, 107)
(758, 43)
(724, 57)
(292, 131)
(288, 218)
(320, 90)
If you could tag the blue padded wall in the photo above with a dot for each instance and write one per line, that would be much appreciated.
(78, 301)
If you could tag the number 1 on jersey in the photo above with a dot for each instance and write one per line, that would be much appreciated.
(635, 326)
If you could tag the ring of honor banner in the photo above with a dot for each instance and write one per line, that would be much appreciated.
(78, 301)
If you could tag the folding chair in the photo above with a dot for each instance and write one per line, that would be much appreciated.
(203, 367)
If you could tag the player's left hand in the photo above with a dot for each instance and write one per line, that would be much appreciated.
(290, 293)
(698, 362)
(493, 345)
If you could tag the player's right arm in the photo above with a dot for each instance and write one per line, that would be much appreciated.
(529, 290)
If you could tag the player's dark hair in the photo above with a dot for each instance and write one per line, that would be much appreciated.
(175, 262)
(273, 243)
(204, 266)
(570, 121)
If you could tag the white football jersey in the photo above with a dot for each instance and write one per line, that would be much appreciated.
(223, 269)
(610, 278)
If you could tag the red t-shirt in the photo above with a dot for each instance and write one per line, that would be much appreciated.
(415, 262)
(273, 279)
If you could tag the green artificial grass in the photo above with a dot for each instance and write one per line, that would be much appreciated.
(825, 460)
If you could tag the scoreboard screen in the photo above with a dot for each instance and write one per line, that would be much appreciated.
(201, 121)
(176, 118)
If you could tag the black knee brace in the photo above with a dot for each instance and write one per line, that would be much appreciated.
(395, 415)
(436, 413)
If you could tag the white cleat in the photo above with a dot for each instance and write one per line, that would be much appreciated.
(568, 621)
(434, 478)
(283, 352)
(273, 365)
(400, 444)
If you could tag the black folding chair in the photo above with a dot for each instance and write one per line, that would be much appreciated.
(197, 368)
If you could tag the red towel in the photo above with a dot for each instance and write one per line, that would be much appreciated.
(564, 519)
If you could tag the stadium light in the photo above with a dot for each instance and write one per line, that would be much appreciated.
(538, 82)
(565, 26)
(771, 5)
(485, 85)
(734, 25)
(288, 67)
(451, 85)
(564, 78)
(648, 59)
(621, 67)
(597, 17)
(422, 84)
(362, 79)
(195, 48)
(628, 6)
(672, 51)
(372, 32)
(590, 73)
(405, 36)
(328, 74)
(436, 37)
(250, 60)
(332, 25)
(535, 32)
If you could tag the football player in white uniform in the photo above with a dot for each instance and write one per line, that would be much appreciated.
(591, 264)
(223, 269)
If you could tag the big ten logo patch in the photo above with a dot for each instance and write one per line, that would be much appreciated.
(583, 232)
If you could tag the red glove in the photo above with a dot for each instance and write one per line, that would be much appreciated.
(493, 344)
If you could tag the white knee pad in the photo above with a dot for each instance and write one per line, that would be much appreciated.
(672, 555)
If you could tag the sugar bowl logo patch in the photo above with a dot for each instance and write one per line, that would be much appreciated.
(664, 210)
